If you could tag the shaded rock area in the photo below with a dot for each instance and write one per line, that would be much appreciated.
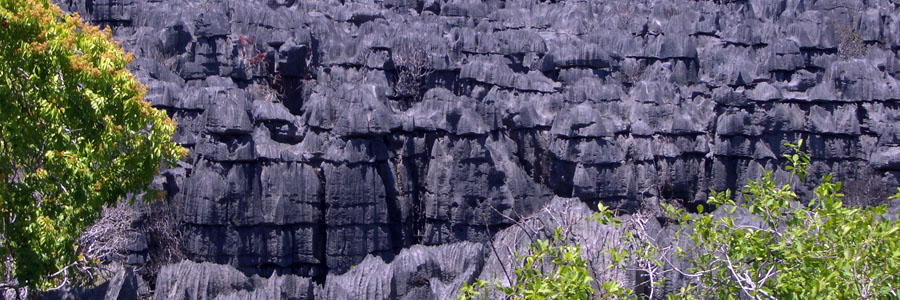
(311, 176)
(419, 272)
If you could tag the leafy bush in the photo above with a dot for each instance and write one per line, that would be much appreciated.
(552, 269)
(820, 250)
(75, 135)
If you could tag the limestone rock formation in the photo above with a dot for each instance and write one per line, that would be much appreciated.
(310, 169)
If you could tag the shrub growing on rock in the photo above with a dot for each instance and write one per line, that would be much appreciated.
(75, 136)
(551, 269)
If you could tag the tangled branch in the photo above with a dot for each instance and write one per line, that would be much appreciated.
(411, 62)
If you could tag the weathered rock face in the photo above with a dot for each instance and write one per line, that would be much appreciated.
(419, 272)
(305, 158)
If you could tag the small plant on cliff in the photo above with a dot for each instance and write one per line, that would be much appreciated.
(75, 136)
(851, 44)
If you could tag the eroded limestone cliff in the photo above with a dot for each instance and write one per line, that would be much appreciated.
(323, 132)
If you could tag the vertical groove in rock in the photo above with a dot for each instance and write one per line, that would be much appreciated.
(320, 227)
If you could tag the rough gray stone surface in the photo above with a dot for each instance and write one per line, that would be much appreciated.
(419, 272)
(305, 160)
(195, 281)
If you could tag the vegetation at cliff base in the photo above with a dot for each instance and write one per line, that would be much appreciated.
(75, 136)
(769, 245)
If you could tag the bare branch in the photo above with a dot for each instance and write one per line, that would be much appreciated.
(411, 62)
(494, 249)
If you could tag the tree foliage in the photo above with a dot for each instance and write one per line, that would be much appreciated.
(75, 135)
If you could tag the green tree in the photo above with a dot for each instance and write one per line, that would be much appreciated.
(75, 136)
